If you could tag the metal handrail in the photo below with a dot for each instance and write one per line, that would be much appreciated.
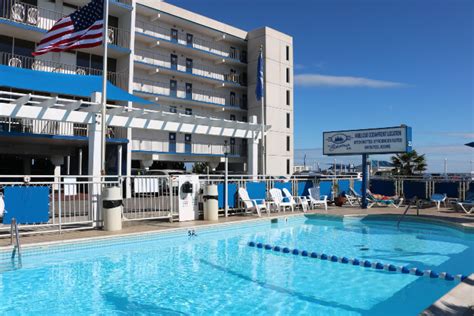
(414, 200)
(17, 247)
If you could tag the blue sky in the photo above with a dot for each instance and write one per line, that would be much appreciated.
(373, 63)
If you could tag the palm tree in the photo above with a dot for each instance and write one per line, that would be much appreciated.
(408, 164)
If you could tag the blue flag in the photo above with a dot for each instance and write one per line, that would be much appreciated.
(259, 87)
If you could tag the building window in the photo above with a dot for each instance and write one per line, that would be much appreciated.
(232, 98)
(244, 119)
(288, 53)
(188, 111)
(173, 109)
(187, 143)
(174, 35)
(288, 166)
(189, 39)
(288, 75)
(244, 101)
(172, 143)
(232, 117)
(288, 118)
(287, 143)
(288, 97)
(174, 61)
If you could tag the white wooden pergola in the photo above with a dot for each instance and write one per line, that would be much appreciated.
(36, 107)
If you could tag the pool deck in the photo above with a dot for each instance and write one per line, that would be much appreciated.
(443, 215)
(459, 301)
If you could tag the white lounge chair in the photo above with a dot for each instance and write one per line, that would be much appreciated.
(468, 204)
(467, 207)
(353, 198)
(300, 201)
(391, 201)
(437, 199)
(315, 199)
(252, 205)
(277, 198)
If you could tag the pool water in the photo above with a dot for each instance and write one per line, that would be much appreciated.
(217, 273)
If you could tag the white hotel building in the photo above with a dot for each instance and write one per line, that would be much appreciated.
(198, 71)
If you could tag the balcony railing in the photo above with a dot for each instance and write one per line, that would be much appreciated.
(161, 60)
(36, 63)
(196, 42)
(198, 95)
(43, 127)
(187, 148)
(44, 19)
(118, 37)
(28, 14)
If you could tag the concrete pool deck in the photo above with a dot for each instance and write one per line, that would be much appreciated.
(444, 215)
(459, 301)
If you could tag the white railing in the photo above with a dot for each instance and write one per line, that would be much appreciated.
(199, 95)
(119, 37)
(198, 69)
(29, 14)
(74, 201)
(43, 127)
(201, 44)
(44, 19)
(186, 148)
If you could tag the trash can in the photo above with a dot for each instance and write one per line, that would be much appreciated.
(112, 208)
(211, 206)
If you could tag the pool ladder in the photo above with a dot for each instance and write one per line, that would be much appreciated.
(413, 201)
(17, 246)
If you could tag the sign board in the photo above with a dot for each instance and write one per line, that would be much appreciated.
(388, 140)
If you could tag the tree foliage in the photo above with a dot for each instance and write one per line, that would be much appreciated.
(409, 164)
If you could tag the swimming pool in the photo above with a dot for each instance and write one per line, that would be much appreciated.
(216, 272)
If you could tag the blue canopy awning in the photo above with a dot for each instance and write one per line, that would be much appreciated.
(69, 84)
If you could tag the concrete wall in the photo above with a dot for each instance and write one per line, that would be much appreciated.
(276, 86)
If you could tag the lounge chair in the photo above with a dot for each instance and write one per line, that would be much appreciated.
(280, 203)
(376, 200)
(300, 201)
(316, 199)
(353, 198)
(468, 204)
(438, 198)
(251, 205)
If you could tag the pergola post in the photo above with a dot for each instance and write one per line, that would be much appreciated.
(94, 162)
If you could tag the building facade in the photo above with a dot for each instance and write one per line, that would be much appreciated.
(188, 65)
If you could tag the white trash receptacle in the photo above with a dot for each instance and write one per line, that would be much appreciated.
(112, 208)
(211, 205)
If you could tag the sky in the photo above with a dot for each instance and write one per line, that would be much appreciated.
(373, 63)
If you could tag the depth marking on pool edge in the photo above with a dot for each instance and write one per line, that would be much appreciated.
(362, 263)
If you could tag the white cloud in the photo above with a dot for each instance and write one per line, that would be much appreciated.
(317, 80)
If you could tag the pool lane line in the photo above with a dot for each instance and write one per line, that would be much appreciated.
(363, 263)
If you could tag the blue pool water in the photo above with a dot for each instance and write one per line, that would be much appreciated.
(218, 273)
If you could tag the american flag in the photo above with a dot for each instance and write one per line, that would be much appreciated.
(82, 29)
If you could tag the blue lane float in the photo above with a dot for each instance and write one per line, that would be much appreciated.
(363, 263)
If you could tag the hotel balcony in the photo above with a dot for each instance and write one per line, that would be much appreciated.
(149, 60)
(36, 63)
(34, 18)
(155, 35)
(162, 90)
(186, 148)
(52, 129)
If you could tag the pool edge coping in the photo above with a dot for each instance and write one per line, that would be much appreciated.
(458, 301)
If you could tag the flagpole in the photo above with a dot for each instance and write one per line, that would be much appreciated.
(263, 122)
(104, 87)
